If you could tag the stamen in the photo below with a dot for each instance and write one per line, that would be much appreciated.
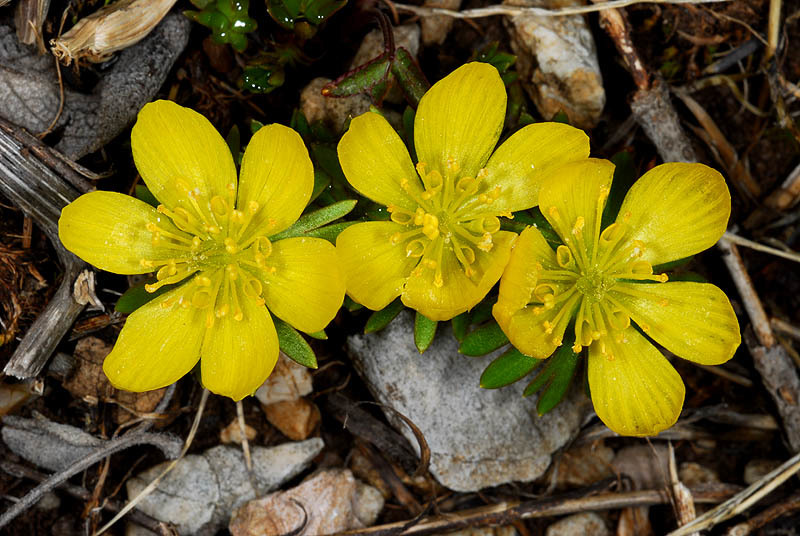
(564, 257)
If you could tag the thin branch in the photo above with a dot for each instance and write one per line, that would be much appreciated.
(743, 500)
(736, 239)
(491, 11)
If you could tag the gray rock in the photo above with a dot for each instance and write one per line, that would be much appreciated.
(584, 524)
(47, 444)
(29, 90)
(199, 494)
(557, 63)
(477, 437)
(436, 27)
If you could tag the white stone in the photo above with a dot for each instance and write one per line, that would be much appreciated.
(202, 489)
(584, 524)
(557, 63)
(478, 437)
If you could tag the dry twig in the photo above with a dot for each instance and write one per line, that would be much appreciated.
(503, 9)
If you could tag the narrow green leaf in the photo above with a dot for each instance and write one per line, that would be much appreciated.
(321, 181)
(255, 126)
(561, 117)
(370, 78)
(316, 219)
(482, 312)
(624, 177)
(136, 296)
(234, 141)
(380, 319)
(460, 324)
(408, 131)
(510, 367)
(319, 335)
(143, 193)
(409, 76)
(424, 331)
(554, 379)
(350, 305)
(294, 345)
(298, 122)
(330, 232)
(485, 339)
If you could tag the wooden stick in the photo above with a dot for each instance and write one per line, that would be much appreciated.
(507, 512)
(491, 11)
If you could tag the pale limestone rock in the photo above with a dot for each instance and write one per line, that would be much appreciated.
(478, 437)
(557, 63)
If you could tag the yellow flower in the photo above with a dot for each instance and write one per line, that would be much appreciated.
(605, 280)
(443, 248)
(212, 233)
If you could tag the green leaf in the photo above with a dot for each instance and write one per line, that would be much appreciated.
(408, 131)
(319, 335)
(409, 76)
(510, 367)
(371, 78)
(330, 232)
(299, 123)
(321, 181)
(624, 177)
(541, 223)
(380, 319)
(561, 117)
(143, 193)
(316, 219)
(255, 126)
(485, 339)
(554, 379)
(482, 312)
(460, 324)
(350, 305)
(424, 331)
(136, 296)
(294, 345)
(234, 142)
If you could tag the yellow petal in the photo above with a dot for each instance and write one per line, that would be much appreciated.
(238, 355)
(461, 117)
(635, 391)
(375, 161)
(572, 199)
(375, 269)
(522, 273)
(694, 321)
(458, 293)
(109, 230)
(535, 330)
(521, 162)
(307, 287)
(157, 345)
(677, 210)
(175, 149)
(278, 175)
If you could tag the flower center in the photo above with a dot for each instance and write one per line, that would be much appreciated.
(454, 216)
(594, 267)
(211, 241)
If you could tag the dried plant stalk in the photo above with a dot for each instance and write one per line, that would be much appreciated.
(28, 19)
(110, 29)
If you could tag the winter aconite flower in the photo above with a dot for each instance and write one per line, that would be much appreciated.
(443, 248)
(602, 280)
(212, 234)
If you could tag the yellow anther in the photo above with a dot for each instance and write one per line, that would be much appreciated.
(564, 257)
(238, 315)
(202, 281)
(438, 281)
(469, 272)
(232, 271)
(196, 243)
(213, 229)
(645, 327)
(237, 216)
(495, 193)
(404, 184)
(577, 229)
(557, 340)
(144, 263)
(553, 211)
(548, 327)
(577, 348)
(222, 310)
(663, 278)
(252, 207)
(430, 263)
(483, 173)
(219, 206)
(395, 238)
(419, 216)
(452, 165)
(603, 194)
(230, 245)
(415, 248)
(663, 302)
(485, 243)
(422, 169)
